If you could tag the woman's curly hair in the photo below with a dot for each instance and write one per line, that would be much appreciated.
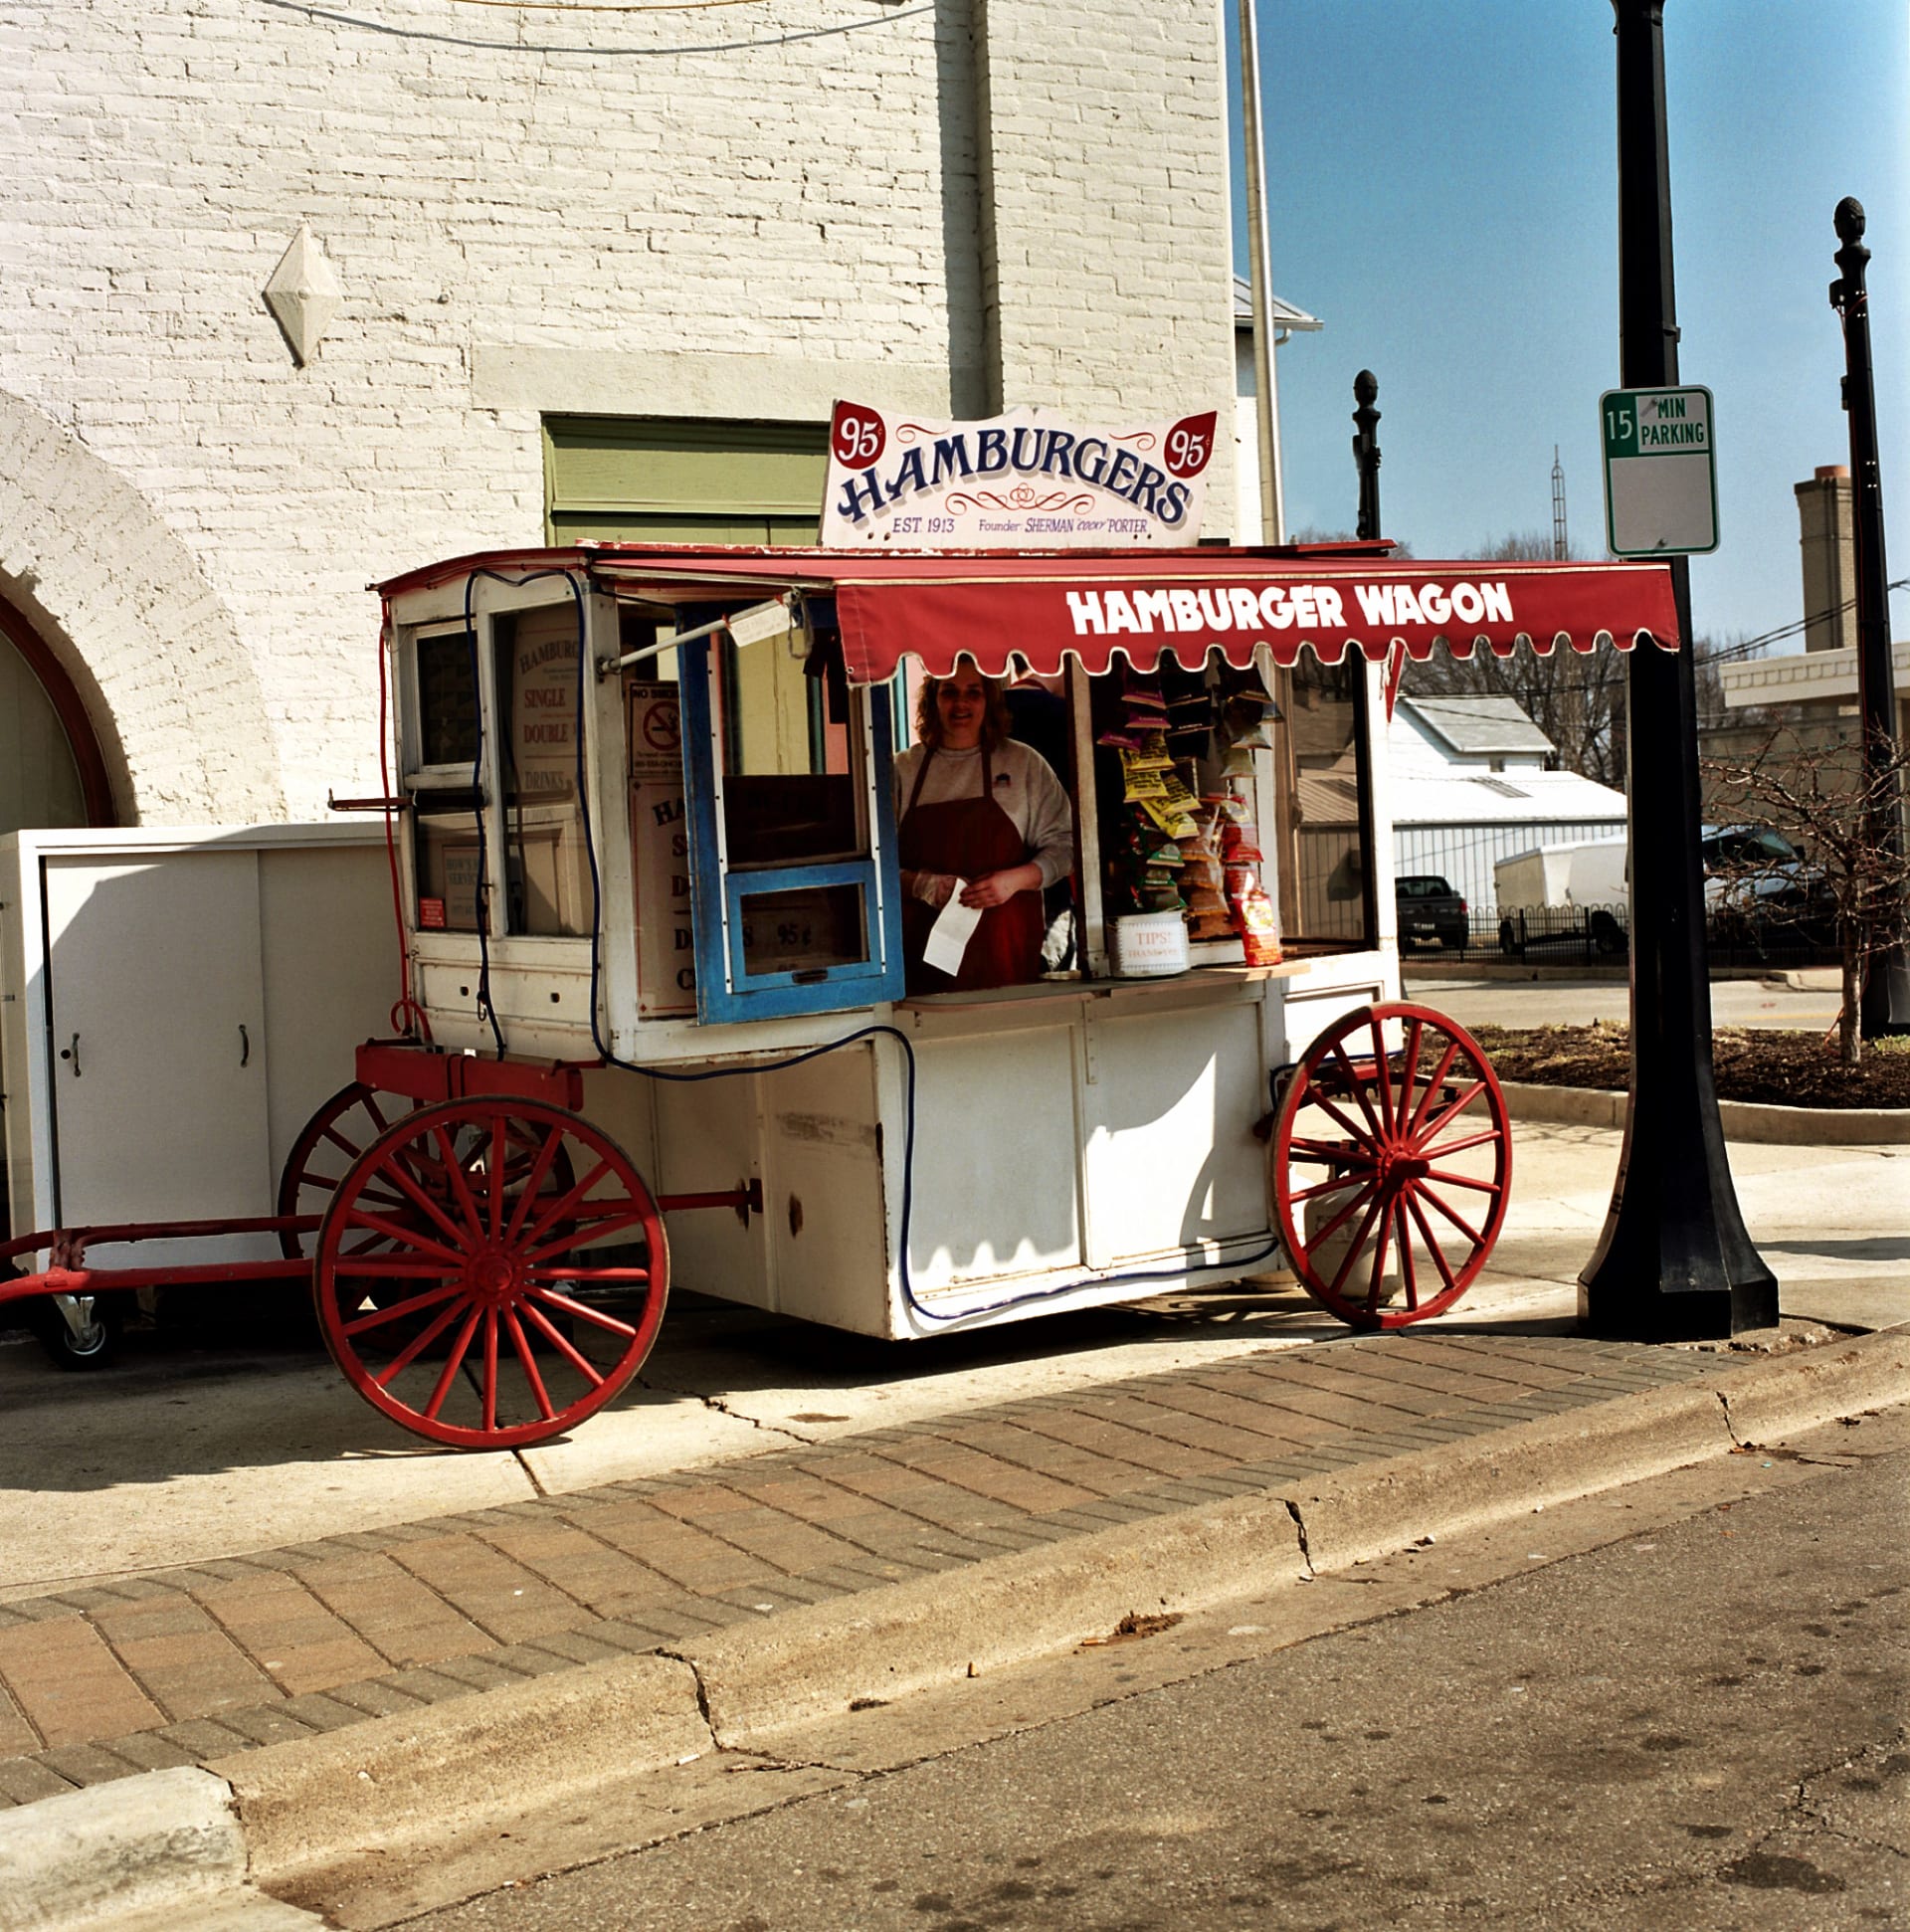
(995, 719)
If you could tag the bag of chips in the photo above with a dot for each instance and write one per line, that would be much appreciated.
(1174, 820)
(1141, 787)
(1260, 929)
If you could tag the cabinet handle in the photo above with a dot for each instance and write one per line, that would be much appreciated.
(73, 1053)
(244, 1047)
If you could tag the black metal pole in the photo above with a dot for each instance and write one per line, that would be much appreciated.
(1674, 1262)
(1366, 452)
(1884, 1007)
(1366, 459)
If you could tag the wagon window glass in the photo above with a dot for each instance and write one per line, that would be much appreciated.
(447, 700)
(790, 798)
(547, 869)
(439, 780)
(1326, 857)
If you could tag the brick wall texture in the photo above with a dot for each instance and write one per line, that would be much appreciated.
(191, 517)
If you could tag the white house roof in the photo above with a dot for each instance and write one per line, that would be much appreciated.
(1479, 724)
(1285, 316)
(1502, 798)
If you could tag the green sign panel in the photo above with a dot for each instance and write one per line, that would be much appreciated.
(1660, 471)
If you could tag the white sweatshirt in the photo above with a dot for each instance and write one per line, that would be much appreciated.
(1026, 788)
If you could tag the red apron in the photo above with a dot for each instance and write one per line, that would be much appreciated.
(968, 838)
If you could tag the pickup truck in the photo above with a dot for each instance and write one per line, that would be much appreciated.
(1430, 910)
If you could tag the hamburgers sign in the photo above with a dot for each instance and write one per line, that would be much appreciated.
(1025, 481)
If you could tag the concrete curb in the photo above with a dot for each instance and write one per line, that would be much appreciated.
(1591, 1106)
(333, 1800)
(165, 1838)
(322, 1805)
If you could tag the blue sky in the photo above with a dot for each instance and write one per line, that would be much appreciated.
(1442, 188)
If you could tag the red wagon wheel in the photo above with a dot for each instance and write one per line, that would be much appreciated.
(1390, 1164)
(327, 1146)
(521, 1299)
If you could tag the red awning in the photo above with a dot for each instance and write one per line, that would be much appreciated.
(1143, 605)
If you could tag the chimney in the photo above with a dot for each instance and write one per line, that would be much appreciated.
(1830, 559)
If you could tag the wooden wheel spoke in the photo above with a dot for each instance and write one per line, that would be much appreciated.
(490, 1370)
(453, 1363)
(1465, 1227)
(416, 1346)
(352, 1148)
(1408, 1070)
(500, 1154)
(1466, 1181)
(611, 1222)
(539, 1168)
(413, 1192)
(460, 1187)
(405, 1236)
(1409, 1271)
(1435, 1080)
(370, 1104)
(565, 1203)
(1333, 1187)
(1458, 1106)
(1357, 1242)
(561, 1343)
(1489, 1138)
(398, 1309)
(551, 1299)
(1324, 1235)
(515, 1329)
(1382, 1073)
(1355, 1087)
(1340, 1152)
(1359, 1133)
(1431, 1244)
(1375, 1280)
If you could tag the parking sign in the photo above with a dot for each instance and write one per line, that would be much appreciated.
(1660, 471)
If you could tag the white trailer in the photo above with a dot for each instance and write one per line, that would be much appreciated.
(1563, 895)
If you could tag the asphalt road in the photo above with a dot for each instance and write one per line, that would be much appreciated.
(1702, 1726)
(1577, 1003)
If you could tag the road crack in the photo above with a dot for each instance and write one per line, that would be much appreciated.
(1300, 1526)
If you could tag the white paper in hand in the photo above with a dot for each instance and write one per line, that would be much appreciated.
(949, 936)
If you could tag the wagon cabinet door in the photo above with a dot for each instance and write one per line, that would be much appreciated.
(796, 896)
(158, 1005)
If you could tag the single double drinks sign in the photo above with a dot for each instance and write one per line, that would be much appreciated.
(1660, 472)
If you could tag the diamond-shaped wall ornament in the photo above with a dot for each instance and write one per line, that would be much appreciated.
(304, 294)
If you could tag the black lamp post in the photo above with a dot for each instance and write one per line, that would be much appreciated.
(1366, 452)
(1884, 1007)
(1674, 1262)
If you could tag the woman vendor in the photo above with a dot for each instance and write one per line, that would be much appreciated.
(976, 808)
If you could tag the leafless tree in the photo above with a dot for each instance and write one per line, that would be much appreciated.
(1828, 807)
(1577, 702)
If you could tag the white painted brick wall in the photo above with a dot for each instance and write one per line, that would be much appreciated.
(611, 189)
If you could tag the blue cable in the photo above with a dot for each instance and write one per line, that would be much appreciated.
(610, 1059)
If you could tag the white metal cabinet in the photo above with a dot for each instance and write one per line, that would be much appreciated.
(156, 998)
(217, 981)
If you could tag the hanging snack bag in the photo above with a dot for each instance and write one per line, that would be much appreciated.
(1259, 926)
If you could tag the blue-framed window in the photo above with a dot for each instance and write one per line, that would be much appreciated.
(796, 892)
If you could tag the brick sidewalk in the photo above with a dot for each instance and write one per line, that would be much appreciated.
(186, 1666)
